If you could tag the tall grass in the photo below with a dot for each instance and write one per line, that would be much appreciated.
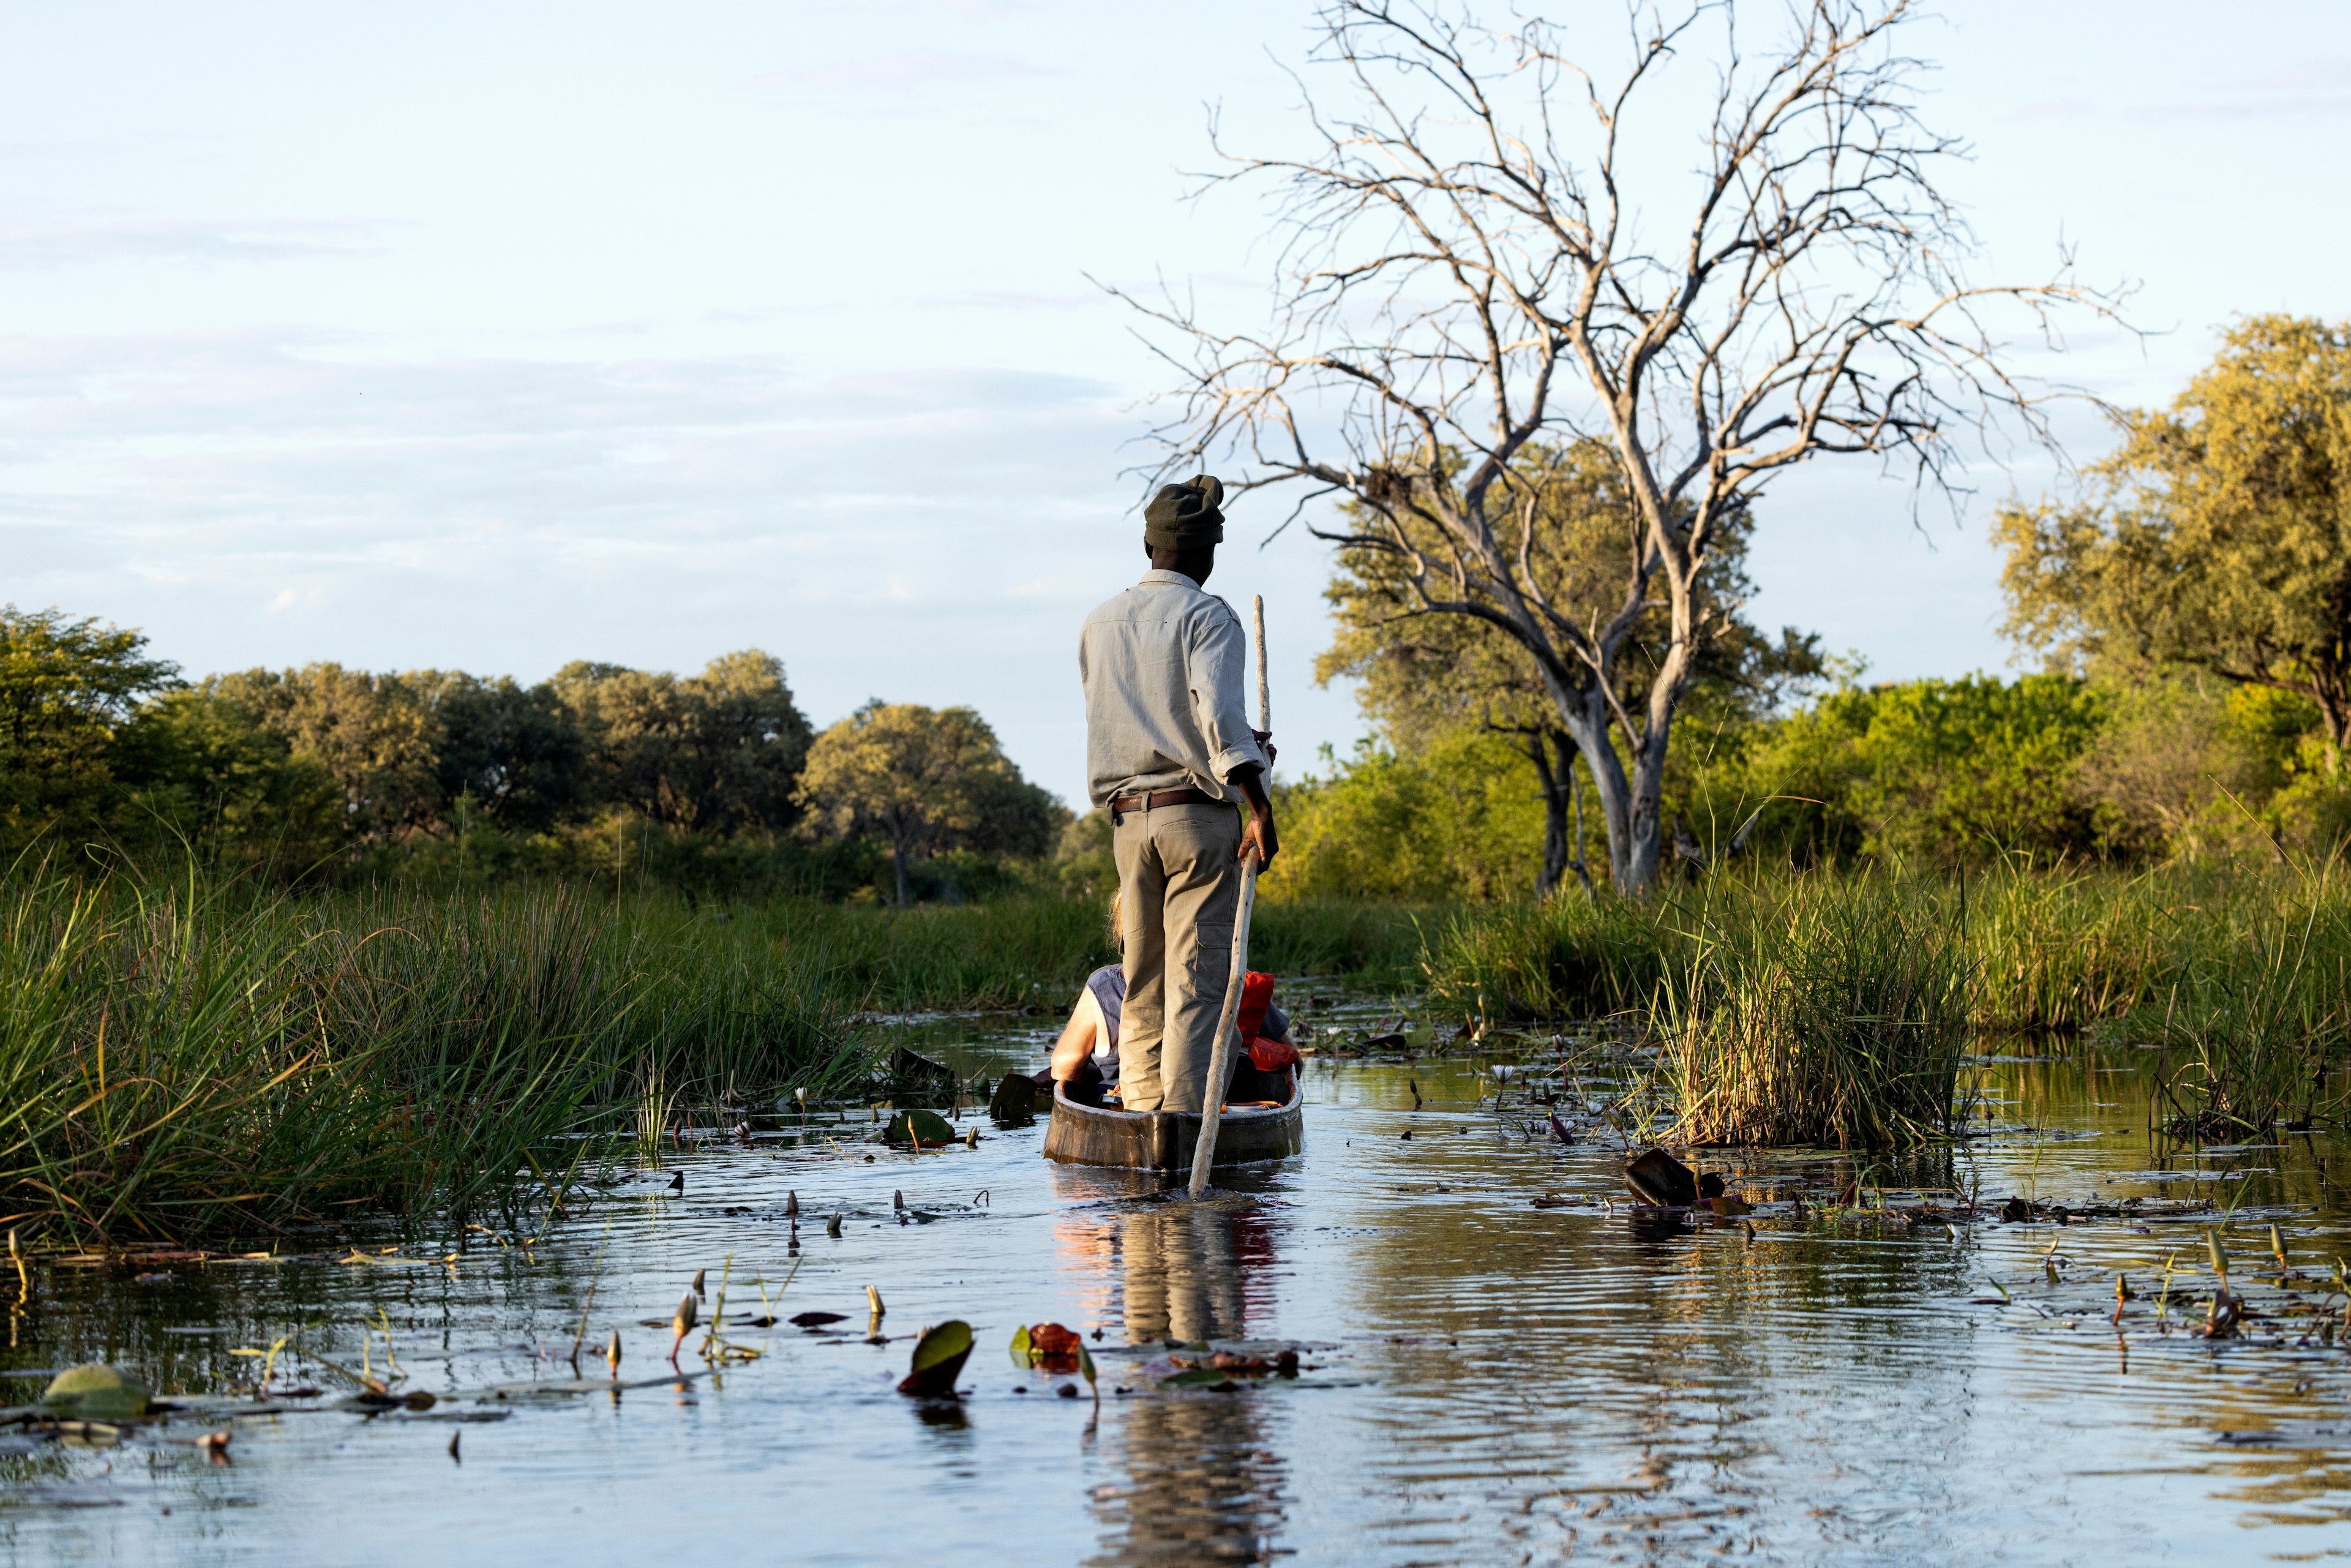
(1037, 950)
(187, 1058)
(1573, 956)
(2064, 950)
(1014, 953)
(2254, 1004)
(1817, 1011)
(1829, 1005)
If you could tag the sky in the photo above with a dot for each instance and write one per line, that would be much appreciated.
(493, 336)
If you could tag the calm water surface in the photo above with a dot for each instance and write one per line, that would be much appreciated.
(1487, 1380)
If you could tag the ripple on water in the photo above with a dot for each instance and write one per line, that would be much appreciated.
(1495, 1382)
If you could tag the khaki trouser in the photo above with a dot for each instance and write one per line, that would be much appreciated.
(1180, 883)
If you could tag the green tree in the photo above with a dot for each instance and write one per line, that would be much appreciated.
(711, 752)
(373, 733)
(753, 739)
(516, 751)
(2218, 536)
(1425, 674)
(207, 766)
(921, 779)
(67, 690)
(1945, 771)
(1455, 819)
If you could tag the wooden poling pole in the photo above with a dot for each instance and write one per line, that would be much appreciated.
(1220, 1055)
(1220, 1058)
(1264, 692)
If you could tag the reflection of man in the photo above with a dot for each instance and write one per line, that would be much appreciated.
(1204, 1482)
(1181, 1281)
(1169, 750)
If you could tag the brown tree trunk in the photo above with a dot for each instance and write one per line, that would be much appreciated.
(1561, 800)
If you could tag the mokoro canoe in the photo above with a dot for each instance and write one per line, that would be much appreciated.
(1084, 1134)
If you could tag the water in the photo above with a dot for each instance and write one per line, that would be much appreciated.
(1484, 1380)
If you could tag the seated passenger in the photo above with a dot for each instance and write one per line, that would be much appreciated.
(1086, 1056)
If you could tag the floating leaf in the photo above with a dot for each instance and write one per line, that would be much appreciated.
(939, 1356)
(1201, 1377)
(925, 1127)
(816, 1320)
(1048, 1346)
(1015, 1102)
(96, 1391)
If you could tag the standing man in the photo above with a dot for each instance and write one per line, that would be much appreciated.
(1170, 752)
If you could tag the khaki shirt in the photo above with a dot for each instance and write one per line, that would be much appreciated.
(1163, 665)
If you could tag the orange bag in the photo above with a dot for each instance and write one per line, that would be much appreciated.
(1257, 1000)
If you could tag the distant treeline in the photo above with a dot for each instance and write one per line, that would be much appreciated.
(2042, 770)
(601, 770)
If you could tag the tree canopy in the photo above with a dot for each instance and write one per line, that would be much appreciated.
(2218, 534)
(710, 752)
(67, 690)
(922, 780)
(1425, 674)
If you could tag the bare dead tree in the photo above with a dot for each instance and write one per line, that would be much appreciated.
(1464, 270)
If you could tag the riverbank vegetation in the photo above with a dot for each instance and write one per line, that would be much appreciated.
(1832, 1006)
(192, 1058)
(428, 926)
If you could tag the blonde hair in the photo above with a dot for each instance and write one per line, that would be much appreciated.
(1117, 931)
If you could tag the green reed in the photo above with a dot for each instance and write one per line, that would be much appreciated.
(1037, 950)
(1814, 1009)
(1570, 956)
(188, 1058)
(1827, 1004)
(2254, 1009)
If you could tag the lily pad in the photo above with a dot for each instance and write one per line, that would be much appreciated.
(1048, 1345)
(96, 1391)
(926, 1127)
(1015, 1102)
(1201, 1377)
(939, 1356)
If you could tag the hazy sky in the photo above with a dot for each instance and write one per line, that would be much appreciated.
(495, 336)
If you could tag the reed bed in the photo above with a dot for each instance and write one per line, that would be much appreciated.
(1828, 1005)
(2061, 951)
(189, 1059)
(2254, 1009)
(1573, 956)
(1830, 1010)
(1036, 951)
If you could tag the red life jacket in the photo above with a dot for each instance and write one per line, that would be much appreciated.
(1257, 1000)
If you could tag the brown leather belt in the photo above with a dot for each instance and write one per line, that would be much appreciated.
(1121, 807)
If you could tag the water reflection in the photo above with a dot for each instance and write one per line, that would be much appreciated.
(1504, 1381)
(1201, 1482)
